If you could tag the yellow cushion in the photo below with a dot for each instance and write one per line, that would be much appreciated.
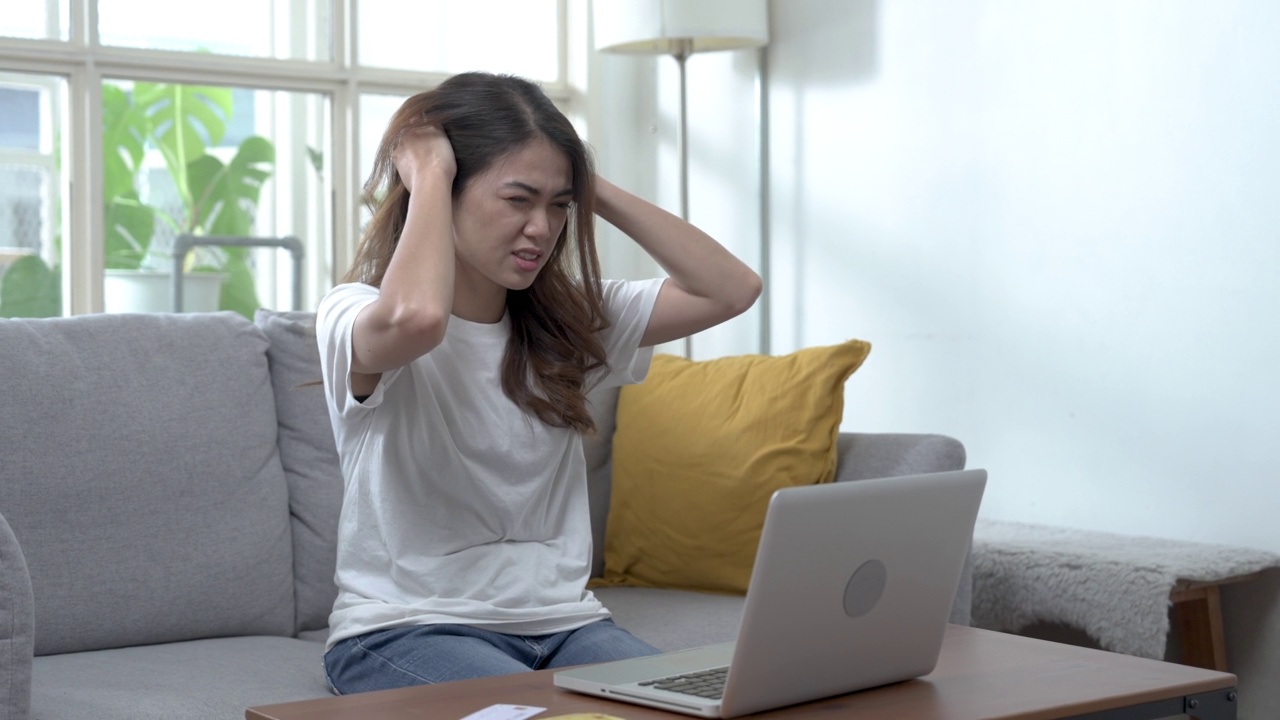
(700, 448)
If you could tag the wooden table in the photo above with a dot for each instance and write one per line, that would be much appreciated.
(980, 675)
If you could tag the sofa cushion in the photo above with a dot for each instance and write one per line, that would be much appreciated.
(674, 619)
(195, 680)
(309, 458)
(142, 479)
(699, 449)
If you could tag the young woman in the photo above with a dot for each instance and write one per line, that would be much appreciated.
(456, 360)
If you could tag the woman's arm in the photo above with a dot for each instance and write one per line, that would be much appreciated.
(412, 310)
(707, 284)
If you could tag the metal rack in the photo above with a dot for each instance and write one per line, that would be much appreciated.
(184, 243)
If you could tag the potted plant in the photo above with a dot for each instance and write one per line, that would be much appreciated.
(216, 198)
(221, 198)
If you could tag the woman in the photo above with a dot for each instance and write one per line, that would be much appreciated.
(456, 359)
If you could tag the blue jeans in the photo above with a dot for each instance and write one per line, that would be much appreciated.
(426, 654)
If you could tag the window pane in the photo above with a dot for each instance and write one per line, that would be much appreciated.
(509, 36)
(254, 28)
(31, 187)
(375, 113)
(214, 162)
(40, 19)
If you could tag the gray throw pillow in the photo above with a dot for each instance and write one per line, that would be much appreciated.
(309, 457)
(142, 479)
(598, 448)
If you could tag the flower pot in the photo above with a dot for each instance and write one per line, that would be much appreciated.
(152, 291)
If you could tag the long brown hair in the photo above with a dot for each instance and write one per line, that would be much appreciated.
(554, 322)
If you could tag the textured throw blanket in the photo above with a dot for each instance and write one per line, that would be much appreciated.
(1114, 587)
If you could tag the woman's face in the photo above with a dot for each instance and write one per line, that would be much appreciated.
(506, 223)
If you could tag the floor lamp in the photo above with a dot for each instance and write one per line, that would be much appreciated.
(680, 28)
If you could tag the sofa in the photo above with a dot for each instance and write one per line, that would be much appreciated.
(169, 495)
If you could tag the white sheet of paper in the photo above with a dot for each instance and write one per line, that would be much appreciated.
(505, 712)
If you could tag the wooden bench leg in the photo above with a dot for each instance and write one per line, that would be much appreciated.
(1197, 613)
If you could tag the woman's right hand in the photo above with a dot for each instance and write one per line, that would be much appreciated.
(423, 150)
(415, 299)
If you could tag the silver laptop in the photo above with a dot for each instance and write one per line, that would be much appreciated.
(852, 588)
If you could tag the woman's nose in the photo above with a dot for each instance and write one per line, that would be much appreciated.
(538, 226)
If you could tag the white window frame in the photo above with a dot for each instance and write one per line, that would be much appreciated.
(85, 63)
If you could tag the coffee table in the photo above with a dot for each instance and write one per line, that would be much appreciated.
(980, 675)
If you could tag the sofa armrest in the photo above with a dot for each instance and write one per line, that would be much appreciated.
(17, 628)
(863, 456)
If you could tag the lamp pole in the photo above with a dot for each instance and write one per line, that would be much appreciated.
(678, 29)
(682, 49)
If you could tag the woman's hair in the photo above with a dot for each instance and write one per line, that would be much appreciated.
(554, 323)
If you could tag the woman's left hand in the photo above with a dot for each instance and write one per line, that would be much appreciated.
(707, 284)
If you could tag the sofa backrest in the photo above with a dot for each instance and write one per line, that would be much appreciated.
(309, 458)
(598, 448)
(142, 479)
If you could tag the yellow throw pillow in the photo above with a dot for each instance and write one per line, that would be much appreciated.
(699, 449)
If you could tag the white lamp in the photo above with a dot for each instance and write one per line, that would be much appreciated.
(680, 28)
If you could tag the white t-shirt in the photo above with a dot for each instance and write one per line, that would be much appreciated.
(459, 506)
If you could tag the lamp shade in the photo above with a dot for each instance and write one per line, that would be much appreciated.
(656, 27)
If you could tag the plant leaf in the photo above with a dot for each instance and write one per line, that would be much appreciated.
(238, 293)
(130, 225)
(226, 196)
(31, 289)
(124, 138)
(185, 121)
(317, 159)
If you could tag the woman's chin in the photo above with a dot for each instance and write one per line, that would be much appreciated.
(522, 281)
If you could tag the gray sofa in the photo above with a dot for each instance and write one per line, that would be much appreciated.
(169, 497)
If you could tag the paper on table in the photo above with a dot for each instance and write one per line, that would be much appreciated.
(505, 712)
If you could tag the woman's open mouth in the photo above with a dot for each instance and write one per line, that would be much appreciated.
(527, 260)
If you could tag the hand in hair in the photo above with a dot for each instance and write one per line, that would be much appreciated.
(706, 286)
(422, 150)
(411, 312)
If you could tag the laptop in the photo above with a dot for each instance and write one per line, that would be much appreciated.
(851, 589)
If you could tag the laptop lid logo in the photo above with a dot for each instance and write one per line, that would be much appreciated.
(865, 588)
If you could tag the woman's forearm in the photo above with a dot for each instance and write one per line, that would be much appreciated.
(416, 296)
(698, 264)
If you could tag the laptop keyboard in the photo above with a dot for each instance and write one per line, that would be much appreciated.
(703, 683)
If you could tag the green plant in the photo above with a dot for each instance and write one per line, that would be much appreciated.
(31, 289)
(182, 122)
(217, 198)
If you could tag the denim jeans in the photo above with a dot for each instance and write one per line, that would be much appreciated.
(425, 654)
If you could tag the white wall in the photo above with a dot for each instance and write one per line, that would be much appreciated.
(633, 124)
(1058, 222)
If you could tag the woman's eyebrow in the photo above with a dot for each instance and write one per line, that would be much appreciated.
(533, 190)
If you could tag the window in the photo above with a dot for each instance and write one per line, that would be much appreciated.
(510, 37)
(244, 117)
(36, 19)
(31, 188)
(254, 28)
